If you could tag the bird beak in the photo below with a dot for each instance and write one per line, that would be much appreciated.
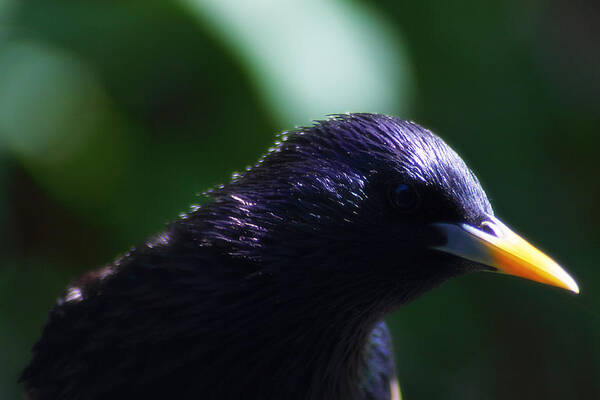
(501, 248)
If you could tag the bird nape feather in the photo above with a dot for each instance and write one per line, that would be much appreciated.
(277, 287)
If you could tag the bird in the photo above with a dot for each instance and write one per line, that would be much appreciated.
(277, 286)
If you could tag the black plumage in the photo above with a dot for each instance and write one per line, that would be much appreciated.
(276, 288)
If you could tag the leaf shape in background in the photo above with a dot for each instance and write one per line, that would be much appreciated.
(51, 111)
(310, 58)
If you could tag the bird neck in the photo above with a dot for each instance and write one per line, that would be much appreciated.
(313, 350)
(289, 312)
(285, 333)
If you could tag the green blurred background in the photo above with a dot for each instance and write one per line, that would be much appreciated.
(114, 115)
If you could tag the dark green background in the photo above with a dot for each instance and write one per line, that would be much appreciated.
(114, 115)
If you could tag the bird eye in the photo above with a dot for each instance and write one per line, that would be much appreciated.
(404, 197)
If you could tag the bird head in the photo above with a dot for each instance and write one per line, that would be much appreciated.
(371, 198)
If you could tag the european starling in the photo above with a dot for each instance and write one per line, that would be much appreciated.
(277, 288)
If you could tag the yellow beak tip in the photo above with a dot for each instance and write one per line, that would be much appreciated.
(565, 281)
(573, 288)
